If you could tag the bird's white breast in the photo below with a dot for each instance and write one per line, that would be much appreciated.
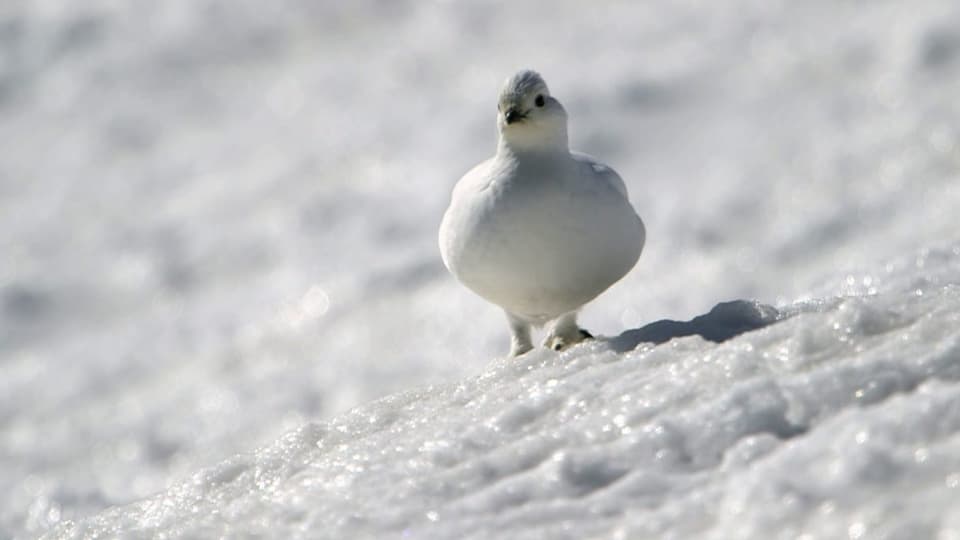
(540, 237)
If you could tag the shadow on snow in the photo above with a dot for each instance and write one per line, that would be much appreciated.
(725, 321)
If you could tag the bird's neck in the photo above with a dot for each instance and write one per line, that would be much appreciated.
(519, 142)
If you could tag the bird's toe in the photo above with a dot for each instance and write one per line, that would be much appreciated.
(559, 343)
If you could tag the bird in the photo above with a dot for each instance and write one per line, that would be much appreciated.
(539, 230)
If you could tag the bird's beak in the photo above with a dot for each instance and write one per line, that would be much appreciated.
(512, 115)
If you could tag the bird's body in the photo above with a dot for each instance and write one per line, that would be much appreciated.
(541, 236)
(536, 229)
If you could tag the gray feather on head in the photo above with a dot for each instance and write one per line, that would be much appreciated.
(523, 83)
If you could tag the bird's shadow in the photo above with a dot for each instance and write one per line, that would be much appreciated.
(726, 320)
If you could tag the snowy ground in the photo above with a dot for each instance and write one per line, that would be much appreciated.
(218, 221)
(816, 424)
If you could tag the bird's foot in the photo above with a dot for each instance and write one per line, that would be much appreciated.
(517, 349)
(561, 342)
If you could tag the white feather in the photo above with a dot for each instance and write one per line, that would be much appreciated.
(536, 229)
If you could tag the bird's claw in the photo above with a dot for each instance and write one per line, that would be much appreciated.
(559, 343)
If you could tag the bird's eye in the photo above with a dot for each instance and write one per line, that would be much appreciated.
(539, 100)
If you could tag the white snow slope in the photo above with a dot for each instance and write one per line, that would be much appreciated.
(843, 419)
(218, 225)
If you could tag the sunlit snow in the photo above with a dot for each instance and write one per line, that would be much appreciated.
(819, 421)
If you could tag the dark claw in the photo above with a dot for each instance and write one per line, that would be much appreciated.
(585, 335)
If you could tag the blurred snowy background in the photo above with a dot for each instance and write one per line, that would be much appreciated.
(218, 218)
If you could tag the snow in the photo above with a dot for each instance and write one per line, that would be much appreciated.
(218, 226)
(815, 424)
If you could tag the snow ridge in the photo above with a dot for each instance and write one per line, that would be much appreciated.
(814, 419)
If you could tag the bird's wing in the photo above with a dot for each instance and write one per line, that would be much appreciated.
(601, 171)
(476, 179)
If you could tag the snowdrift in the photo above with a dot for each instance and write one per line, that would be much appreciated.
(833, 417)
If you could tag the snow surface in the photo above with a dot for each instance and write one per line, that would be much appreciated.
(218, 224)
(817, 423)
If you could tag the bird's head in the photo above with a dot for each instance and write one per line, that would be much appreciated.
(528, 117)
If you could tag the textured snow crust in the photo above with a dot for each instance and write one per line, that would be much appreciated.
(831, 418)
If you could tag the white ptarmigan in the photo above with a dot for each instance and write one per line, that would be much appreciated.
(537, 229)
